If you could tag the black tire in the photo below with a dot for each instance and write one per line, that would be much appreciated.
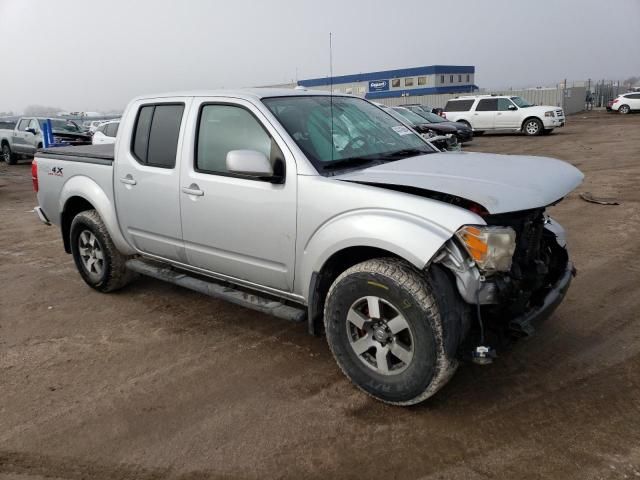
(532, 127)
(8, 156)
(547, 131)
(402, 292)
(106, 275)
(624, 109)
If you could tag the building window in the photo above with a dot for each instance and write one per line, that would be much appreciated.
(361, 90)
(408, 82)
(395, 83)
(450, 78)
(349, 90)
(441, 78)
(459, 78)
(422, 80)
(467, 78)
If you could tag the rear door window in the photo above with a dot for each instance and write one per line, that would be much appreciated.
(487, 105)
(155, 140)
(458, 105)
(111, 130)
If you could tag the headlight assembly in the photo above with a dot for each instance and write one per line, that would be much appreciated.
(490, 247)
(550, 113)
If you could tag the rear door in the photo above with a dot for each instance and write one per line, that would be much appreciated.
(634, 101)
(146, 178)
(485, 114)
(507, 116)
(237, 226)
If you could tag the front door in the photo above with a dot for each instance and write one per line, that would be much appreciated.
(147, 180)
(508, 116)
(20, 135)
(234, 225)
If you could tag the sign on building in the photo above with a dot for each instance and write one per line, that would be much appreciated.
(378, 85)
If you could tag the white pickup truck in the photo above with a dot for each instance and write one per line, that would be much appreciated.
(322, 209)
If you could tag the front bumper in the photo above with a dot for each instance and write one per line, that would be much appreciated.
(525, 324)
(554, 122)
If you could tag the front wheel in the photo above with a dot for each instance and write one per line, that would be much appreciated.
(624, 109)
(384, 328)
(8, 156)
(532, 127)
(100, 264)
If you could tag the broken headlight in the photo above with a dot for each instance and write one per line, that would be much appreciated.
(490, 247)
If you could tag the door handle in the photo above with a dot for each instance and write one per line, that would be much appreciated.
(193, 189)
(128, 180)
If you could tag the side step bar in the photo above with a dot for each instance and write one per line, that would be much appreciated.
(216, 290)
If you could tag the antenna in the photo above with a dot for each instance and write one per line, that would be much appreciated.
(331, 93)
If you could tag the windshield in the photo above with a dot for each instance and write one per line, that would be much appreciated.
(521, 102)
(362, 133)
(431, 117)
(61, 126)
(412, 117)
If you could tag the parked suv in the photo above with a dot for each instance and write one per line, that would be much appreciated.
(494, 112)
(106, 133)
(626, 103)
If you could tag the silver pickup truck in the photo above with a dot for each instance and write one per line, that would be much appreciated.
(23, 140)
(322, 209)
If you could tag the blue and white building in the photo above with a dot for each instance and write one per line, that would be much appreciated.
(405, 82)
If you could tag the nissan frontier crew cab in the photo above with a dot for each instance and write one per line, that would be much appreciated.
(325, 209)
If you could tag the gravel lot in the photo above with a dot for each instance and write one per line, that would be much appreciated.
(159, 382)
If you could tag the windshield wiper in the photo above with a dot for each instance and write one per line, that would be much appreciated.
(404, 153)
(347, 162)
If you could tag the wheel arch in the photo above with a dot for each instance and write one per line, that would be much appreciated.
(81, 193)
(531, 117)
(358, 236)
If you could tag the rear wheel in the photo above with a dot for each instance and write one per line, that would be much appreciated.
(8, 156)
(532, 127)
(384, 328)
(100, 264)
(624, 109)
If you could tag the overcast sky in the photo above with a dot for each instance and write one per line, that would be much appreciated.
(88, 55)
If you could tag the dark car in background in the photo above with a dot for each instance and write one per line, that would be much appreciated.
(426, 108)
(463, 131)
(424, 128)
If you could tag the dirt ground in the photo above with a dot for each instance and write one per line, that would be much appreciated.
(160, 382)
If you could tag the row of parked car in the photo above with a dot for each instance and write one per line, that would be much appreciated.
(23, 138)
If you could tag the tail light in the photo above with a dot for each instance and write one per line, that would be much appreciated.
(34, 175)
(616, 100)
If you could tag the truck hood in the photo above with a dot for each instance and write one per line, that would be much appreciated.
(500, 183)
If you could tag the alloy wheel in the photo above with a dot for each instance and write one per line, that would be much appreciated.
(379, 335)
(91, 253)
(532, 127)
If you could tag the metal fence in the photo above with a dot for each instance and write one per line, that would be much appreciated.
(572, 98)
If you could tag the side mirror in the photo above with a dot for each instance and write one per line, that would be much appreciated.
(249, 162)
(31, 130)
(512, 107)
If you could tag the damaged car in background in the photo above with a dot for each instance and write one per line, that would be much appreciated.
(324, 209)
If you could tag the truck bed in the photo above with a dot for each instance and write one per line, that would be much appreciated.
(99, 154)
